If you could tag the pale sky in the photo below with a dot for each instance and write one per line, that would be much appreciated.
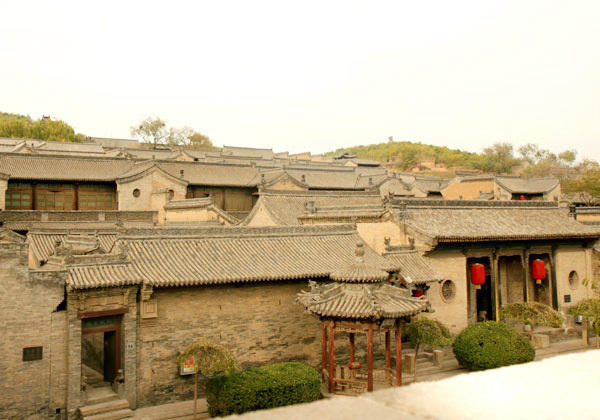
(312, 76)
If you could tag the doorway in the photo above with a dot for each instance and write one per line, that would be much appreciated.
(101, 350)
(481, 304)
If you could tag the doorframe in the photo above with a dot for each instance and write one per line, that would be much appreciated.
(116, 327)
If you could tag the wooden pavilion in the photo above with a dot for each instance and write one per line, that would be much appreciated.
(360, 301)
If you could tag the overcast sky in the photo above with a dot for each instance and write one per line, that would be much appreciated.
(312, 76)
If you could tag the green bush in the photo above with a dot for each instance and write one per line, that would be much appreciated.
(264, 387)
(491, 344)
(533, 313)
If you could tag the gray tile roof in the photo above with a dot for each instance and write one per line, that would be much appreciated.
(360, 301)
(414, 268)
(454, 224)
(519, 185)
(42, 244)
(286, 207)
(187, 257)
(248, 152)
(102, 275)
(62, 168)
(359, 271)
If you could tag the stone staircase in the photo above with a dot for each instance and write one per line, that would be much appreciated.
(104, 404)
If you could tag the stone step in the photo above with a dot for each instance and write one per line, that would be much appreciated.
(112, 415)
(100, 395)
(104, 407)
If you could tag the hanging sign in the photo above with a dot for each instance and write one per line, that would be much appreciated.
(187, 366)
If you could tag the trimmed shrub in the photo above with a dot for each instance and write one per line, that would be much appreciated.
(488, 345)
(533, 313)
(264, 387)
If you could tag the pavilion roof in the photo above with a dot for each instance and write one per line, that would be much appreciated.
(360, 301)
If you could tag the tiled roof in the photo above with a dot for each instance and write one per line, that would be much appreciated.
(213, 174)
(413, 267)
(330, 179)
(102, 275)
(203, 202)
(286, 207)
(62, 168)
(42, 244)
(494, 223)
(427, 184)
(519, 185)
(359, 271)
(171, 257)
(248, 152)
(360, 301)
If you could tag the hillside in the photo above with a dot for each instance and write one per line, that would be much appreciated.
(21, 126)
(406, 156)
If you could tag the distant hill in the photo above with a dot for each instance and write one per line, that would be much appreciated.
(406, 156)
(45, 128)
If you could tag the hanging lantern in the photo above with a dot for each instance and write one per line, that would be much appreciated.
(538, 270)
(477, 275)
(522, 198)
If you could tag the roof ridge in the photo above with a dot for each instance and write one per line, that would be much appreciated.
(235, 231)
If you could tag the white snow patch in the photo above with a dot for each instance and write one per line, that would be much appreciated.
(562, 387)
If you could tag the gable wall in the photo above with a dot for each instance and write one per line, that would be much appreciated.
(468, 190)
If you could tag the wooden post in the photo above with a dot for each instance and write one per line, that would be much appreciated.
(398, 354)
(370, 359)
(323, 347)
(331, 359)
(388, 356)
(351, 347)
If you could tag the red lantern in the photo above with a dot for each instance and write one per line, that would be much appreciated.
(538, 270)
(477, 275)
(522, 198)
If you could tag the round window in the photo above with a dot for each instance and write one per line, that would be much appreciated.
(136, 192)
(448, 290)
(573, 279)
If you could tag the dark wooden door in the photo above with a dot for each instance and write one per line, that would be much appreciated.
(110, 356)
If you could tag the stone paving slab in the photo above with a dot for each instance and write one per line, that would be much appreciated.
(174, 411)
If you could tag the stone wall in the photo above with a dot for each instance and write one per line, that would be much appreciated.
(29, 318)
(568, 259)
(453, 312)
(374, 233)
(259, 322)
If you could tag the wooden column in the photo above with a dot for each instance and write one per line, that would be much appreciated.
(323, 347)
(388, 355)
(370, 359)
(398, 353)
(352, 351)
(331, 359)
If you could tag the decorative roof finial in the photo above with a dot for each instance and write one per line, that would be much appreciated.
(360, 253)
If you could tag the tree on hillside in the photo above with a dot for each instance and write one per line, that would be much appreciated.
(543, 162)
(45, 128)
(199, 141)
(155, 131)
(499, 158)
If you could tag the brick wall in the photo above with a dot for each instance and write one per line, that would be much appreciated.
(259, 322)
(26, 315)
